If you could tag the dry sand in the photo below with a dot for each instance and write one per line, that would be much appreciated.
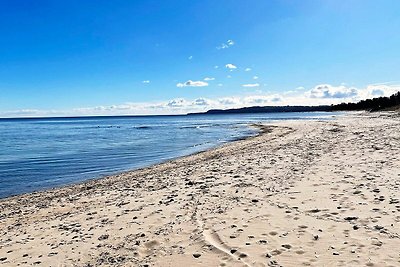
(303, 193)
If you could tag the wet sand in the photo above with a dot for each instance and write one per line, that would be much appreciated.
(302, 193)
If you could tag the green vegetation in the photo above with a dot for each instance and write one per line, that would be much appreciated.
(374, 104)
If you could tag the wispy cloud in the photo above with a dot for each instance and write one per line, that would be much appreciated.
(202, 102)
(251, 85)
(255, 77)
(230, 66)
(247, 69)
(179, 102)
(209, 78)
(191, 83)
(229, 101)
(146, 81)
(261, 99)
(190, 57)
(226, 45)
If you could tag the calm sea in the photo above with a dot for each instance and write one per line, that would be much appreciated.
(36, 154)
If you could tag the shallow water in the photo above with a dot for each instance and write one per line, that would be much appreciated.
(36, 154)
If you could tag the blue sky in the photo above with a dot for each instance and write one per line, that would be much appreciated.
(154, 57)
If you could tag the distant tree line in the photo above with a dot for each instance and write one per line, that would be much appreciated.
(373, 104)
(268, 109)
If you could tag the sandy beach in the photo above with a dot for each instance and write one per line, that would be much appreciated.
(302, 193)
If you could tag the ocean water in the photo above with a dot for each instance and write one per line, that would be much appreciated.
(37, 154)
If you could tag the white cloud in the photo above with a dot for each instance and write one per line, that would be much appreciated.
(226, 45)
(251, 85)
(146, 81)
(255, 77)
(262, 99)
(229, 101)
(230, 66)
(190, 58)
(247, 69)
(329, 91)
(179, 102)
(326, 94)
(191, 83)
(201, 102)
(220, 84)
(209, 78)
(228, 76)
(27, 113)
(216, 67)
(222, 46)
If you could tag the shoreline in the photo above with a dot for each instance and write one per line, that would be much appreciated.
(104, 172)
(108, 176)
(284, 196)
(259, 130)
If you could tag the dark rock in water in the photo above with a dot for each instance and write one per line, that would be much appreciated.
(233, 251)
(3, 259)
(316, 237)
(335, 253)
(254, 200)
(356, 227)
(351, 218)
(196, 255)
